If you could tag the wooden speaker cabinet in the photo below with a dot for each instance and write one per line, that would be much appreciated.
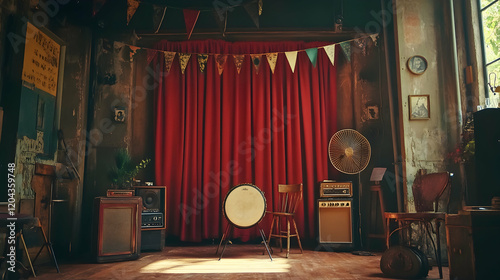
(117, 228)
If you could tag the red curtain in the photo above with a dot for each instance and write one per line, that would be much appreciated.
(217, 131)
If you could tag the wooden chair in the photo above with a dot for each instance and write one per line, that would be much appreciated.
(289, 198)
(427, 191)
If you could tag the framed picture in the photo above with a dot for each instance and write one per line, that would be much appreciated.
(419, 107)
(417, 64)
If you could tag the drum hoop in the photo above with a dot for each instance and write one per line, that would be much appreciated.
(233, 188)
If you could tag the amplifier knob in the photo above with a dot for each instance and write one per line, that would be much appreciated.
(323, 204)
(342, 204)
(347, 204)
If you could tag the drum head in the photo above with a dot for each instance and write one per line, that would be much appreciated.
(244, 206)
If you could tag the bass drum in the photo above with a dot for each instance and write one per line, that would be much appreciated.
(244, 206)
(404, 262)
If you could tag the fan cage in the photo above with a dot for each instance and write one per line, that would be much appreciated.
(349, 151)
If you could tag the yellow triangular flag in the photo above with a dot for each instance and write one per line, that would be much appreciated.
(221, 61)
(183, 61)
(256, 61)
(238, 61)
(133, 51)
(292, 59)
(132, 6)
(202, 61)
(271, 58)
(330, 52)
(169, 58)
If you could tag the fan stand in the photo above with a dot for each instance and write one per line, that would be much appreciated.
(360, 190)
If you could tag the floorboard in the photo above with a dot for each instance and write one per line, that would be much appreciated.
(240, 261)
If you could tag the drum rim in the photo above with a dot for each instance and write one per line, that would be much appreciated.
(233, 188)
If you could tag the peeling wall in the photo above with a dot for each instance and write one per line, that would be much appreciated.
(421, 30)
(425, 28)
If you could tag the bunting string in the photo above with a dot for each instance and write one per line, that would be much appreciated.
(255, 58)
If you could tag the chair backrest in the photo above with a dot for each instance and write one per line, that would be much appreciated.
(290, 196)
(428, 188)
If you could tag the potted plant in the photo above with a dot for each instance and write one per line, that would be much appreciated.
(122, 175)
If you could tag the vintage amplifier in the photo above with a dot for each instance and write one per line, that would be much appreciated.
(152, 220)
(120, 193)
(335, 189)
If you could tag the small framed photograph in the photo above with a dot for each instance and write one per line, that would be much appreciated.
(417, 64)
(419, 107)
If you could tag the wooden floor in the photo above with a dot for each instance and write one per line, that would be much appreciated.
(240, 261)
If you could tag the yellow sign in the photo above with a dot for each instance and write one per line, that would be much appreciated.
(41, 60)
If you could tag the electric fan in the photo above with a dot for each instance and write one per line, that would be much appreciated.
(350, 153)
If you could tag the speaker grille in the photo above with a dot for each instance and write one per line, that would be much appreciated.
(335, 222)
(151, 199)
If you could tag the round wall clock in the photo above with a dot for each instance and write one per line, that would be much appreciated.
(417, 64)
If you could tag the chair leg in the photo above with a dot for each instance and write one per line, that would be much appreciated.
(287, 237)
(438, 241)
(298, 237)
(279, 233)
(27, 254)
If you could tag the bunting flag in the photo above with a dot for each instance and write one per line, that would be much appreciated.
(374, 38)
(346, 48)
(150, 55)
(292, 59)
(221, 61)
(133, 52)
(256, 61)
(97, 5)
(330, 52)
(238, 61)
(158, 16)
(361, 44)
(271, 58)
(312, 53)
(190, 18)
(202, 61)
(132, 6)
(252, 9)
(169, 58)
(184, 60)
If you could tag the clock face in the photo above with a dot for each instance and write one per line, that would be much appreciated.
(417, 64)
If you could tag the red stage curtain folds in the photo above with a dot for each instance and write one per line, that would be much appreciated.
(213, 132)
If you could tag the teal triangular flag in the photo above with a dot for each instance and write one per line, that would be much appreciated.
(313, 55)
(346, 47)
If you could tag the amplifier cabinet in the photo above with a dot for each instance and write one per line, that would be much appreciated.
(117, 228)
(335, 189)
(335, 223)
